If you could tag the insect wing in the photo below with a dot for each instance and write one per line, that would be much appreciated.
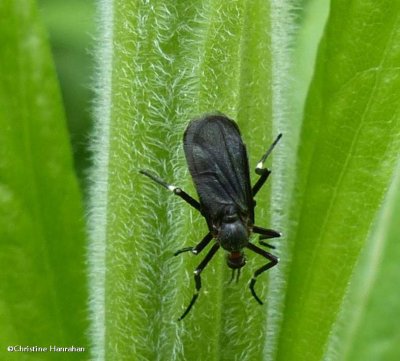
(218, 163)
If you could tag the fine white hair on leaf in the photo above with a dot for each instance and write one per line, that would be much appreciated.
(98, 178)
(282, 32)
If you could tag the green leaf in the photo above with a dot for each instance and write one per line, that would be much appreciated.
(165, 64)
(43, 285)
(376, 334)
(367, 328)
(348, 153)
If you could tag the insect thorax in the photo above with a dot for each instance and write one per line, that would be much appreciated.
(232, 233)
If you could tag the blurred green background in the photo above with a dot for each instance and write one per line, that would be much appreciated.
(71, 28)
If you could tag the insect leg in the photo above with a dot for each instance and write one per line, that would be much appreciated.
(265, 244)
(273, 261)
(197, 278)
(264, 172)
(176, 190)
(199, 247)
(266, 233)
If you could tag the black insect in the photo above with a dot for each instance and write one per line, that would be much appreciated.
(218, 163)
